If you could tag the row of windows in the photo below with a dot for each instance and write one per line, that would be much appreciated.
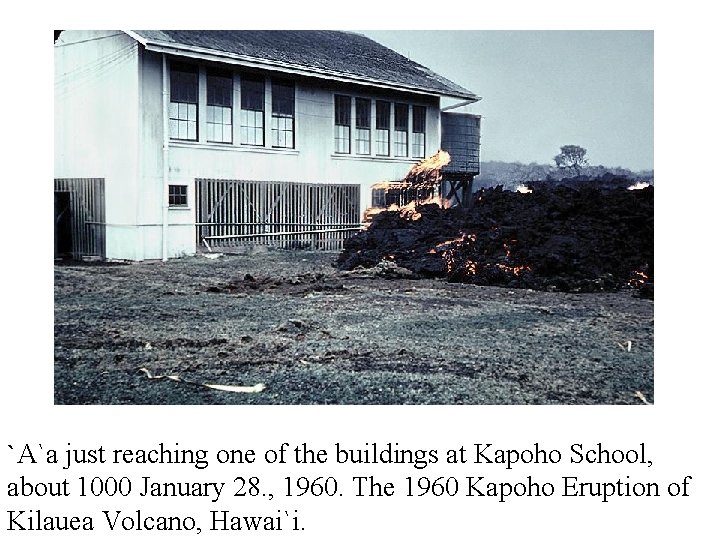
(363, 127)
(392, 129)
(184, 103)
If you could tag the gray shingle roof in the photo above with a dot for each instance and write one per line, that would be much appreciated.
(322, 53)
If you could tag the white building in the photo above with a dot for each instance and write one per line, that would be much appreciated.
(256, 132)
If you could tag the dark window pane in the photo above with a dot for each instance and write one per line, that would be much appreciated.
(342, 111)
(418, 119)
(283, 99)
(252, 94)
(382, 115)
(283, 112)
(219, 90)
(401, 117)
(183, 83)
(177, 195)
(362, 113)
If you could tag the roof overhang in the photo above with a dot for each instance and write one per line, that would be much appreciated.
(200, 53)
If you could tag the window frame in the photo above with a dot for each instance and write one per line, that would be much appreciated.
(416, 109)
(398, 142)
(246, 83)
(363, 127)
(181, 195)
(224, 103)
(342, 128)
(282, 116)
(385, 139)
(178, 103)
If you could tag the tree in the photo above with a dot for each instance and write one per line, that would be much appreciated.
(571, 157)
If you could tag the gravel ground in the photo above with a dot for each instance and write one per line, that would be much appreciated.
(312, 334)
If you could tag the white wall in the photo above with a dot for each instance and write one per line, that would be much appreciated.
(96, 125)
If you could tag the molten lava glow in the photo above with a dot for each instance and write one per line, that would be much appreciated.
(513, 269)
(522, 188)
(516, 270)
(462, 239)
(639, 185)
(455, 261)
(638, 279)
(451, 254)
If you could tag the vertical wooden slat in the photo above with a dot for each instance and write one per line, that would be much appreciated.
(211, 205)
(246, 210)
(307, 209)
(206, 207)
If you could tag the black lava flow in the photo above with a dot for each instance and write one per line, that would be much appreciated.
(577, 238)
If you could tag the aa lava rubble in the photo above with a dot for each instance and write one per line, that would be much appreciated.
(581, 237)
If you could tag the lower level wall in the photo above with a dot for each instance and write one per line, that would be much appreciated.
(134, 217)
(243, 212)
(144, 242)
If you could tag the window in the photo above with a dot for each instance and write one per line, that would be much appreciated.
(382, 128)
(342, 124)
(401, 130)
(183, 102)
(362, 126)
(418, 131)
(252, 111)
(219, 107)
(178, 195)
(283, 115)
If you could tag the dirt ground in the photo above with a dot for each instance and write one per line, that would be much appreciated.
(312, 334)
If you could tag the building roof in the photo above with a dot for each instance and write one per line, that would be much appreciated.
(343, 56)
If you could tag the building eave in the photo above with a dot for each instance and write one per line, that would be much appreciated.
(137, 37)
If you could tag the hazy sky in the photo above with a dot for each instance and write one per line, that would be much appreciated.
(544, 89)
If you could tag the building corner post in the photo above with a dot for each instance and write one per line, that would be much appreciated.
(165, 159)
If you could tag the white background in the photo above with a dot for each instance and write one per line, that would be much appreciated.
(679, 430)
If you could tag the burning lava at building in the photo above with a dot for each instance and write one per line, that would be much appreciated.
(557, 236)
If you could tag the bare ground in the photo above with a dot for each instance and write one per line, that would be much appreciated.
(313, 334)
